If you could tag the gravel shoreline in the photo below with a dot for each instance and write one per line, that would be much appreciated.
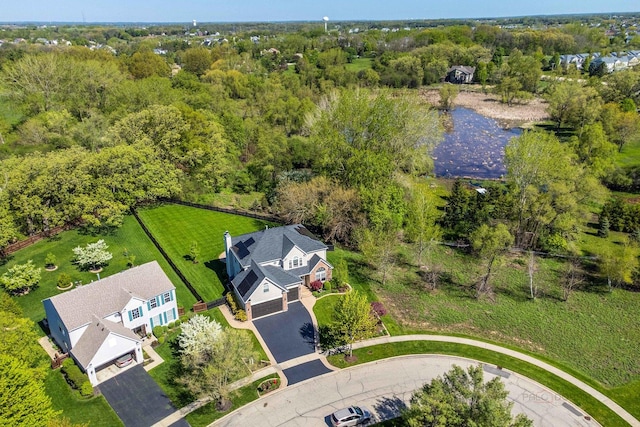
(489, 105)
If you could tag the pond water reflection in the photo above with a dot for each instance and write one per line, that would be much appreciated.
(474, 147)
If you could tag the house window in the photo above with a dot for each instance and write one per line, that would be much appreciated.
(321, 274)
(153, 303)
(135, 313)
(170, 316)
(167, 297)
(297, 262)
(265, 287)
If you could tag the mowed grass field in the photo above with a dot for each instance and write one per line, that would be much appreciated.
(360, 64)
(630, 154)
(130, 238)
(176, 227)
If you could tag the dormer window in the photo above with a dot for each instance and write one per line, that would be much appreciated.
(295, 262)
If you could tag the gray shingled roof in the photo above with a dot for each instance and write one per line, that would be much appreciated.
(111, 294)
(247, 281)
(463, 68)
(306, 269)
(94, 336)
(270, 244)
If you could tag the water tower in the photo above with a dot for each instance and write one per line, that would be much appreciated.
(325, 19)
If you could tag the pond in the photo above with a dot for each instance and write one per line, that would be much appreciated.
(473, 146)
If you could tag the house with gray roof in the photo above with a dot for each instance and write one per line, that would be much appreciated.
(268, 267)
(459, 74)
(99, 322)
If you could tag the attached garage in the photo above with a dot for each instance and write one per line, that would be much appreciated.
(293, 294)
(265, 308)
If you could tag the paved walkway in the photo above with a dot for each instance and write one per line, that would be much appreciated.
(516, 354)
(308, 301)
(386, 386)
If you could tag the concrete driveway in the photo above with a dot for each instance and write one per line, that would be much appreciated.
(386, 386)
(288, 335)
(137, 399)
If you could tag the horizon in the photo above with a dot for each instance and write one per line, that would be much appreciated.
(304, 21)
(256, 11)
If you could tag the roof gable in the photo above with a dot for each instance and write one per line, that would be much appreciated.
(247, 281)
(273, 244)
(111, 294)
(94, 337)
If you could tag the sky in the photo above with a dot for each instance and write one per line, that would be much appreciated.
(292, 10)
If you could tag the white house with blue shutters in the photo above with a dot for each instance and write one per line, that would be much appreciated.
(99, 322)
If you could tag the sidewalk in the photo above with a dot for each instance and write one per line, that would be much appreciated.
(308, 300)
(516, 354)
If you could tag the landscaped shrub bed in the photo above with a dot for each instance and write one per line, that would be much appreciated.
(76, 379)
(269, 385)
(238, 313)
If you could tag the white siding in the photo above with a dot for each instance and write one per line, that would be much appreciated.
(115, 318)
(133, 304)
(75, 335)
(259, 295)
(294, 252)
(112, 348)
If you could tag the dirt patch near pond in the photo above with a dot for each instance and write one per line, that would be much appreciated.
(489, 105)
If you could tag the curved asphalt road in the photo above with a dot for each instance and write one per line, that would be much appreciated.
(385, 386)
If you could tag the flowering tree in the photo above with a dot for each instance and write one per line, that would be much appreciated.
(92, 256)
(198, 335)
(212, 358)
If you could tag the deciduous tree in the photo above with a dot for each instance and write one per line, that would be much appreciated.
(461, 398)
(23, 397)
(93, 255)
(448, 93)
(353, 320)
(490, 243)
(422, 229)
(21, 278)
(379, 248)
(227, 357)
(198, 335)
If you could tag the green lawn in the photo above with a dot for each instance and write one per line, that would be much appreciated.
(95, 412)
(594, 335)
(360, 64)
(591, 405)
(594, 332)
(129, 236)
(207, 414)
(176, 227)
(630, 154)
(166, 373)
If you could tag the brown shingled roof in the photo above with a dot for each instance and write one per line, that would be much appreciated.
(94, 336)
(111, 294)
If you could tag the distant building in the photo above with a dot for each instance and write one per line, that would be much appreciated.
(459, 74)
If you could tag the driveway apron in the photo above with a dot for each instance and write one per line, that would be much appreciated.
(289, 334)
(137, 399)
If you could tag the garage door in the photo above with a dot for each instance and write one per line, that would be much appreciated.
(293, 294)
(269, 307)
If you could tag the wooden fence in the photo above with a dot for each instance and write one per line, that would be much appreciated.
(14, 247)
(166, 257)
